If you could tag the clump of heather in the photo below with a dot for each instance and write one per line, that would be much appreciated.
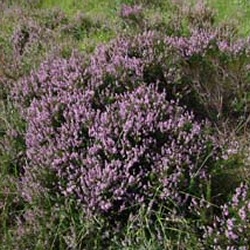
(215, 63)
(112, 155)
(225, 62)
(230, 229)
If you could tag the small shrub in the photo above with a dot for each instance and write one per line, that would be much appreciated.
(115, 156)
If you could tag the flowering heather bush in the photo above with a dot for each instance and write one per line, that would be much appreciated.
(231, 230)
(219, 75)
(81, 124)
(133, 16)
(111, 157)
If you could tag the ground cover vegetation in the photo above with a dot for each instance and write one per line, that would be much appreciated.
(124, 125)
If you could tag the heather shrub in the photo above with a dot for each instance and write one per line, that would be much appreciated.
(112, 155)
(128, 11)
(115, 69)
(186, 16)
